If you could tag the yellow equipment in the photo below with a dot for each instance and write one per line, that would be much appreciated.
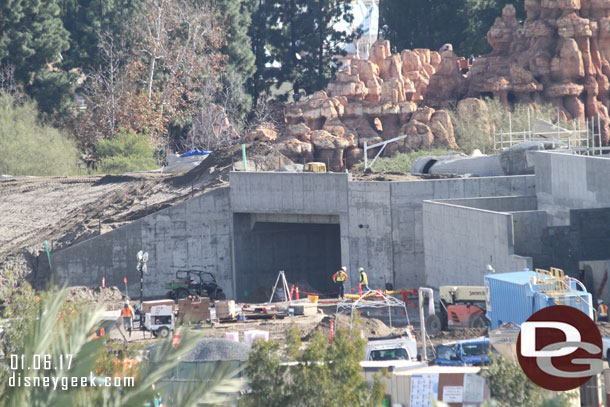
(314, 167)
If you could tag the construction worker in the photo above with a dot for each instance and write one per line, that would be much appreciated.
(364, 280)
(127, 314)
(339, 278)
(602, 311)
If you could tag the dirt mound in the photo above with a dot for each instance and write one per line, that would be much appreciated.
(111, 297)
(113, 179)
(371, 327)
(215, 169)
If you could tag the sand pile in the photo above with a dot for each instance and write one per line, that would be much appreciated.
(111, 297)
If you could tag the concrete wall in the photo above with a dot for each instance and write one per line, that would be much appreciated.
(193, 234)
(369, 229)
(565, 182)
(381, 222)
(381, 228)
(498, 204)
(460, 242)
(407, 215)
(528, 231)
(276, 192)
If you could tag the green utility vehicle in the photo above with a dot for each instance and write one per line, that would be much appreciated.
(194, 282)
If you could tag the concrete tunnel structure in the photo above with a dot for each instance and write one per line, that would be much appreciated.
(408, 233)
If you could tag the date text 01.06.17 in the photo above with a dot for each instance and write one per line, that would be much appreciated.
(40, 362)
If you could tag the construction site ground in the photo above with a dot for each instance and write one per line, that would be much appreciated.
(111, 299)
(66, 210)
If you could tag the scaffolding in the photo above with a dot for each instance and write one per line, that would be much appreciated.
(555, 284)
(582, 139)
(376, 299)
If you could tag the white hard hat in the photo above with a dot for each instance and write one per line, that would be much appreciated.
(360, 269)
(126, 302)
(600, 301)
(343, 268)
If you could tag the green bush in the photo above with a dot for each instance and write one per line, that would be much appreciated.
(28, 147)
(125, 152)
(401, 162)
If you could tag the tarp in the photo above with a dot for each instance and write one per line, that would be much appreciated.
(195, 151)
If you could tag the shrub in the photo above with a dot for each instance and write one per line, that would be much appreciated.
(401, 162)
(28, 147)
(126, 151)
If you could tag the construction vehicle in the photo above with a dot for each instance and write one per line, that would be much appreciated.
(314, 167)
(470, 352)
(194, 282)
(160, 320)
(395, 348)
(460, 307)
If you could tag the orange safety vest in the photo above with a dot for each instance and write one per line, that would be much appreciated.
(126, 313)
(602, 310)
(340, 276)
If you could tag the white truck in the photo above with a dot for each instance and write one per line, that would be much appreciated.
(397, 348)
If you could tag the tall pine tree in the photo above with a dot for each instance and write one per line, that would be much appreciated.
(235, 15)
(295, 42)
(32, 39)
(430, 24)
(85, 20)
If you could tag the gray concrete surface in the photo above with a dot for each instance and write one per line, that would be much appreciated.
(280, 217)
(567, 182)
(194, 234)
(461, 241)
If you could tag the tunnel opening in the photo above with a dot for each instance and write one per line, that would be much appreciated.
(429, 164)
(307, 252)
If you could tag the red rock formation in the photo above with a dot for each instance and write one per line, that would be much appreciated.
(560, 54)
(370, 101)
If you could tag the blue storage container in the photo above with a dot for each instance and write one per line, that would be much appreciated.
(514, 297)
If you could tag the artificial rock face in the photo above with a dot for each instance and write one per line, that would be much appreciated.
(560, 54)
(370, 101)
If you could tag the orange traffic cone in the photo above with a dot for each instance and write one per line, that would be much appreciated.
(176, 340)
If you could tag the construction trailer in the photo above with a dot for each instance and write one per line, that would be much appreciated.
(514, 297)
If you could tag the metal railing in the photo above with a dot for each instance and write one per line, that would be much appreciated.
(585, 140)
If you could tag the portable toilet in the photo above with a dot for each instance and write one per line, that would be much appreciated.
(514, 297)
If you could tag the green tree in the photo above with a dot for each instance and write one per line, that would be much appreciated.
(32, 38)
(430, 24)
(259, 32)
(239, 64)
(28, 147)
(125, 152)
(85, 20)
(300, 37)
(509, 386)
(320, 375)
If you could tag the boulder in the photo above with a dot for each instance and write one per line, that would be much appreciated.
(262, 133)
(299, 131)
(442, 128)
(295, 149)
